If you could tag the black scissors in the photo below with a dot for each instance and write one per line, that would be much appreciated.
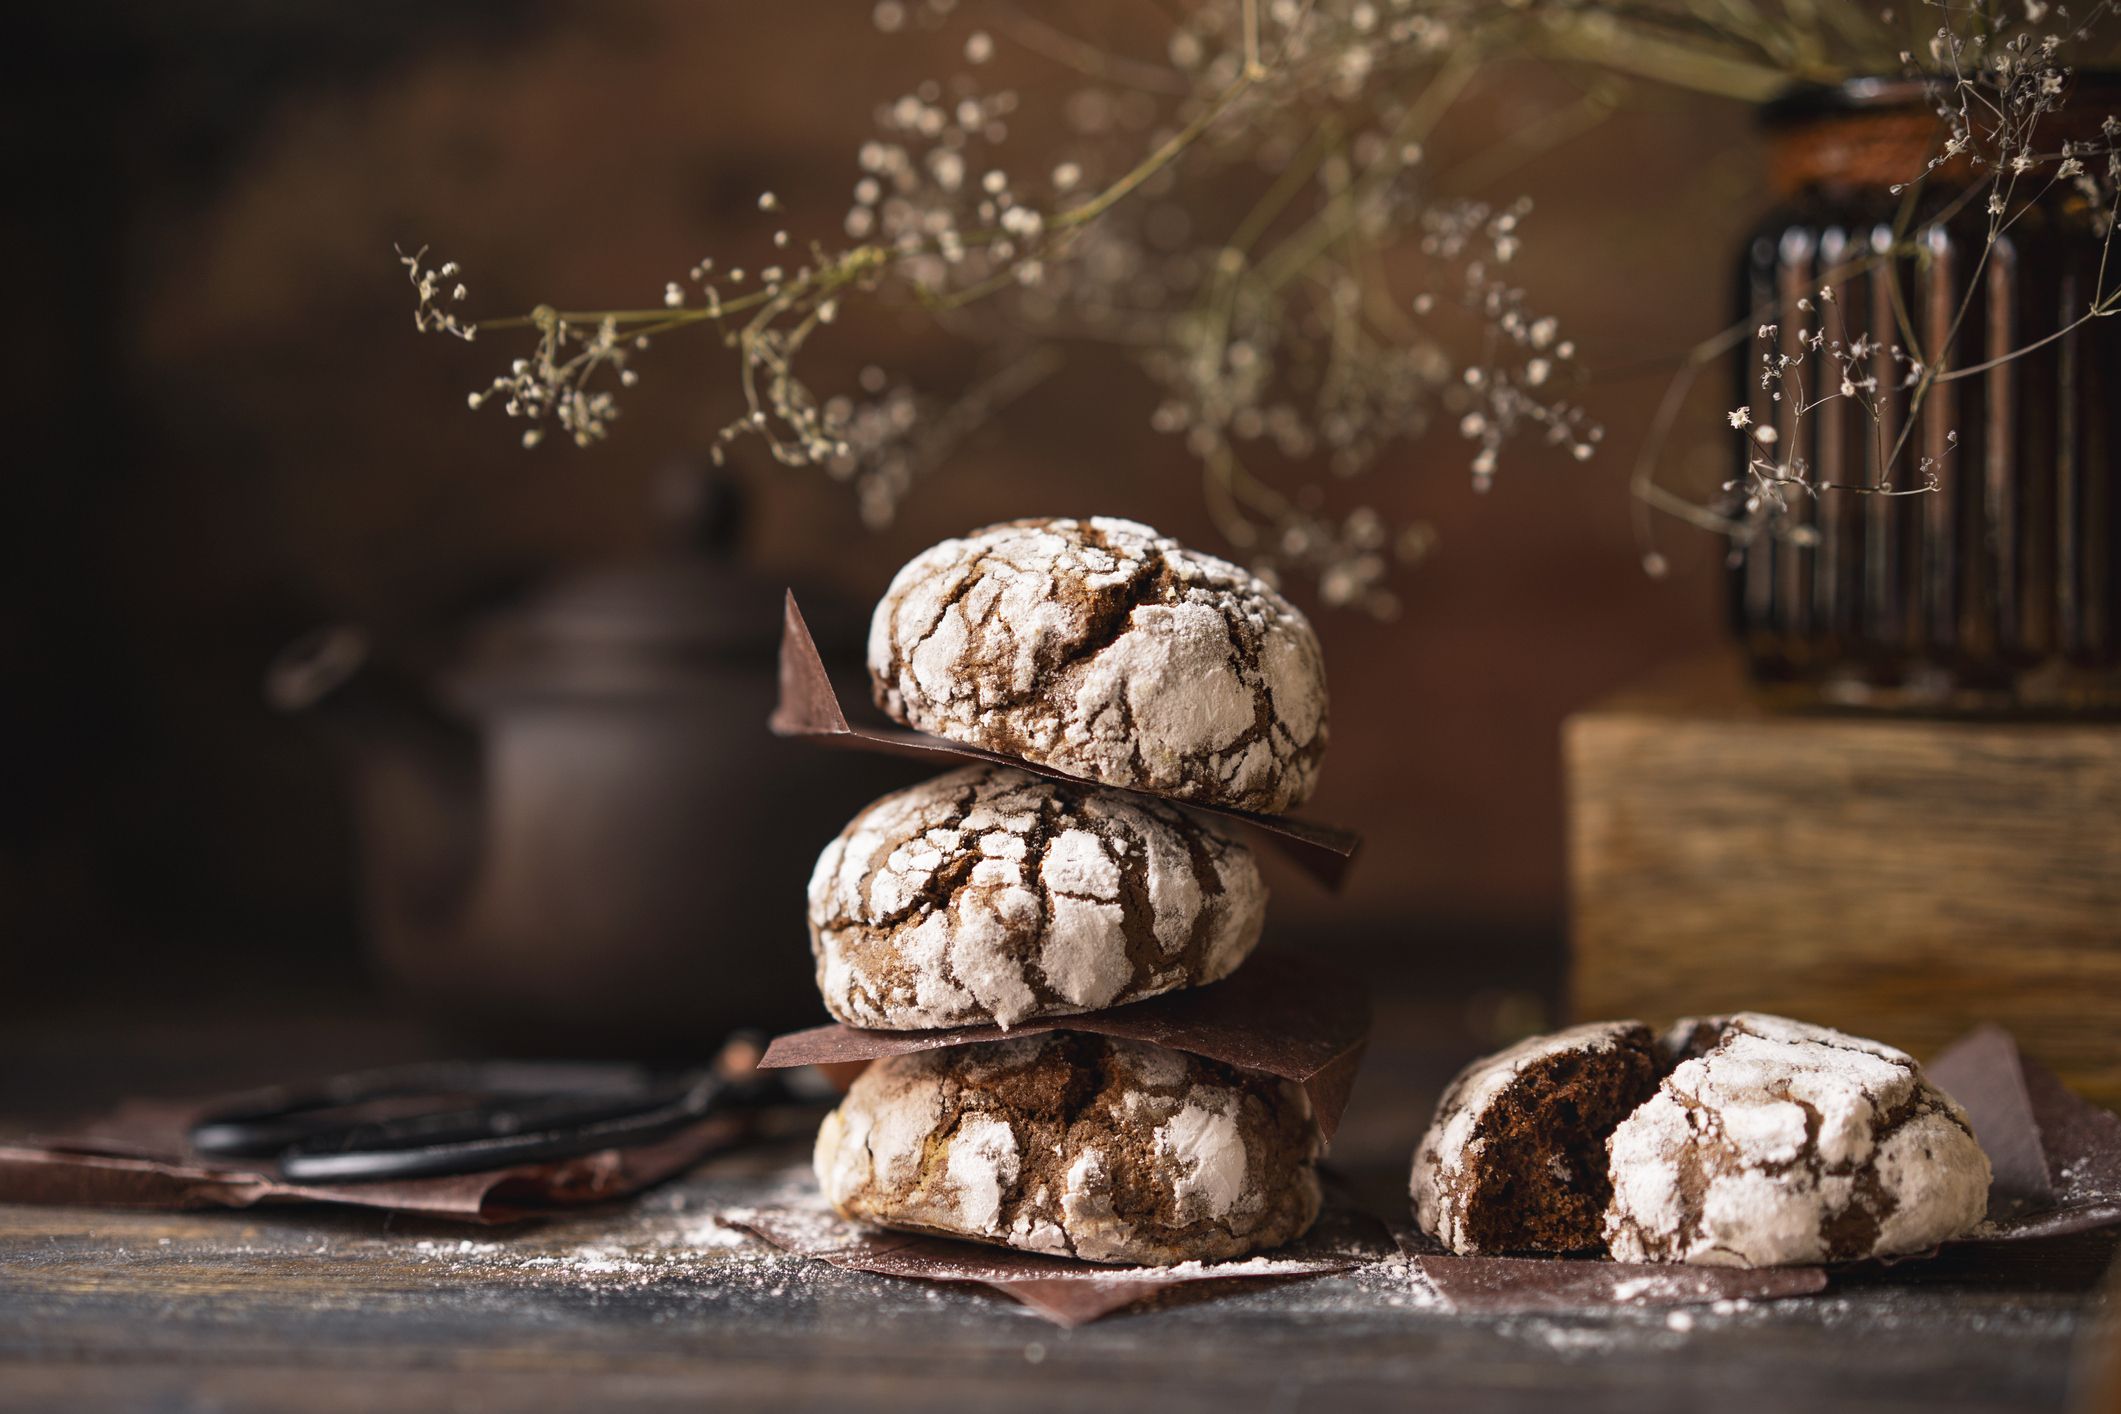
(420, 1121)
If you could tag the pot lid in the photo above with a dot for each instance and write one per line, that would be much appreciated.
(685, 610)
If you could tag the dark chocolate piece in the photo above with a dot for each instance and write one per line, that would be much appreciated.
(809, 707)
(1295, 1019)
(2056, 1156)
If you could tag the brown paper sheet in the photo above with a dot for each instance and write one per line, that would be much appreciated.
(137, 1158)
(2057, 1156)
(1065, 1291)
(1277, 1015)
(809, 707)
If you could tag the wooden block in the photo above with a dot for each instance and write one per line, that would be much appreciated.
(1895, 877)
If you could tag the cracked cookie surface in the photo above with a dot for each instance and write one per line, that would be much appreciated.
(1075, 1145)
(1776, 1143)
(992, 895)
(1100, 648)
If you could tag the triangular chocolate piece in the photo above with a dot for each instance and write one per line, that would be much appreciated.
(1277, 1014)
(810, 707)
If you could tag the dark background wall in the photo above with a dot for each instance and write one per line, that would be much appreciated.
(222, 429)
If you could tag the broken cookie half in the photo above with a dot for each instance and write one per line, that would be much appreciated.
(1515, 1159)
(1748, 1140)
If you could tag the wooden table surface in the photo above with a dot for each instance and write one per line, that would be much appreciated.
(653, 1303)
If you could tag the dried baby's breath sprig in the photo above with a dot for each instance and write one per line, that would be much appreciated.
(436, 290)
(1526, 356)
(1276, 337)
(554, 382)
(1275, 340)
(1770, 478)
(1994, 80)
(766, 327)
(1221, 214)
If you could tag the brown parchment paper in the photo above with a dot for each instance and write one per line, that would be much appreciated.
(2056, 1156)
(1277, 1015)
(1063, 1290)
(809, 707)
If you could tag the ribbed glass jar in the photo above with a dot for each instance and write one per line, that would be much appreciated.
(2000, 591)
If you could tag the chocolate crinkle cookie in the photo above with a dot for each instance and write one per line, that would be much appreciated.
(1746, 1140)
(1075, 1145)
(1102, 649)
(1780, 1143)
(992, 895)
(1515, 1159)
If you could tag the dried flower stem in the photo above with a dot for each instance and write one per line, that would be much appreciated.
(1284, 339)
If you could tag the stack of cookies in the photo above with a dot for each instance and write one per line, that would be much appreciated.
(992, 896)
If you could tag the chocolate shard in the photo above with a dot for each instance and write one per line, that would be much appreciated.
(2057, 1156)
(1278, 1015)
(1065, 1291)
(810, 707)
(1985, 1072)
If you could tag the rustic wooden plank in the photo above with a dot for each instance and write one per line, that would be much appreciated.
(650, 1305)
(646, 1304)
(1900, 878)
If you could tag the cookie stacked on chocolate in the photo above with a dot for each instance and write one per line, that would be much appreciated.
(1150, 675)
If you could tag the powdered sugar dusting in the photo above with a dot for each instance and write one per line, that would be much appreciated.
(982, 1164)
(1207, 1154)
(1784, 1144)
